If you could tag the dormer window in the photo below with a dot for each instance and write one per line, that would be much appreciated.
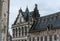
(56, 16)
(49, 27)
(47, 19)
(43, 20)
(59, 15)
(52, 18)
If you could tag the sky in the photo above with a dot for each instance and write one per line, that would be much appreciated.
(45, 7)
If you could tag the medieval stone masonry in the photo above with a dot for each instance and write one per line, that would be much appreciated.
(4, 19)
(29, 26)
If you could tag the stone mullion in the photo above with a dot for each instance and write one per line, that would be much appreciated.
(24, 31)
(21, 31)
(57, 37)
(53, 38)
(39, 38)
(43, 38)
(35, 38)
(47, 38)
(31, 38)
(15, 33)
(27, 30)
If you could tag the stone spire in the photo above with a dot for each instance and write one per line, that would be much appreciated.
(27, 14)
(36, 14)
(20, 10)
(27, 10)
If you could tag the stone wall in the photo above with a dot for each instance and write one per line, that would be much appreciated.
(47, 34)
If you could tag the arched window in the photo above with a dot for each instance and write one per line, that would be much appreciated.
(22, 31)
(45, 38)
(41, 38)
(50, 37)
(25, 30)
(37, 38)
(33, 38)
(55, 37)
(19, 32)
(16, 32)
(49, 26)
(30, 39)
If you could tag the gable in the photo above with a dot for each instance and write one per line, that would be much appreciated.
(19, 18)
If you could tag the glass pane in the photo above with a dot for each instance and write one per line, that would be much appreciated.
(50, 38)
(41, 38)
(45, 38)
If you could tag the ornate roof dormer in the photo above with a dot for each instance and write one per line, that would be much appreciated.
(36, 14)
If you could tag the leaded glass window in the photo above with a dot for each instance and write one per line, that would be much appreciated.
(37, 38)
(45, 38)
(25, 30)
(55, 37)
(50, 37)
(16, 32)
(33, 39)
(41, 38)
(19, 32)
(29, 39)
(22, 31)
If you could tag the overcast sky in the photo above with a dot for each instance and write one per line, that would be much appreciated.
(45, 7)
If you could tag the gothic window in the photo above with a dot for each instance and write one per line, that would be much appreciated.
(29, 39)
(19, 32)
(50, 38)
(25, 40)
(45, 38)
(47, 19)
(18, 40)
(22, 40)
(44, 19)
(16, 32)
(33, 39)
(22, 31)
(25, 30)
(55, 37)
(49, 26)
(37, 38)
(56, 16)
(41, 38)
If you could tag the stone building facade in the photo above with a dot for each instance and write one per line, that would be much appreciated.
(29, 26)
(4, 19)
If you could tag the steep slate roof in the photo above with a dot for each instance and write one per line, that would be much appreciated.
(42, 24)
